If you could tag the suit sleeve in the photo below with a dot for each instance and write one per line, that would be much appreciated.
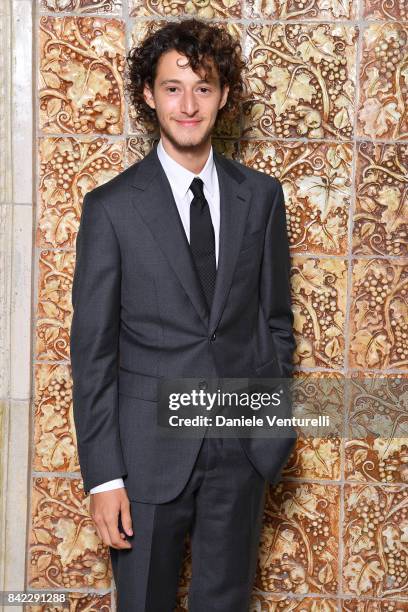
(94, 345)
(275, 283)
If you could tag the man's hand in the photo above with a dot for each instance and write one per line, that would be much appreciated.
(105, 509)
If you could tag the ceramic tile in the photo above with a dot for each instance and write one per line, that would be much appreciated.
(330, 10)
(385, 11)
(302, 80)
(299, 541)
(54, 310)
(383, 82)
(69, 168)
(381, 214)
(80, 75)
(374, 532)
(137, 148)
(64, 549)
(376, 445)
(317, 456)
(316, 182)
(319, 306)
(280, 603)
(79, 602)
(54, 428)
(372, 605)
(202, 9)
(82, 6)
(379, 314)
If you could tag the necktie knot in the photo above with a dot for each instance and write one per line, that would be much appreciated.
(197, 187)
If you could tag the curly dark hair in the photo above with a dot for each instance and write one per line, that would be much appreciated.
(204, 44)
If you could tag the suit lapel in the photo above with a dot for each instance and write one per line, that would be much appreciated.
(234, 207)
(155, 202)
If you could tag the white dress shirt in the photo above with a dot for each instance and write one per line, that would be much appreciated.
(180, 180)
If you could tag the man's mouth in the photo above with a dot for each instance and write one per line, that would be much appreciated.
(187, 123)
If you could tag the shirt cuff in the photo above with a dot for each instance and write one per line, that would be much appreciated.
(117, 483)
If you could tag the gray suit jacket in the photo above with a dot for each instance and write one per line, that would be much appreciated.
(139, 314)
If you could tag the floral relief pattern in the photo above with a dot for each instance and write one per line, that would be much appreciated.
(380, 10)
(69, 169)
(82, 6)
(377, 438)
(299, 542)
(317, 187)
(317, 452)
(81, 84)
(79, 602)
(299, 9)
(373, 605)
(384, 82)
(319, 302)
(65, 549)
(302, 80)
(381, 217)
(375, 540)
(54, 310)
(379, 315)
(281, 603)
(137, 148)
(54, 436)
(202, 9)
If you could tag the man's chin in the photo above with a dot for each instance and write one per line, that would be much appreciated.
(189, 142)
(183, 141)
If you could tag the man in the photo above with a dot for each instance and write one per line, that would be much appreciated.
(182, 271)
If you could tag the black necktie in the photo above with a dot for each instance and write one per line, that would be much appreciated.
(202, 240)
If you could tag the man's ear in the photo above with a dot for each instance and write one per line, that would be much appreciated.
(148, 96)
(224, 96)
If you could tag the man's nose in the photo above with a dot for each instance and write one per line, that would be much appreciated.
(189, 103)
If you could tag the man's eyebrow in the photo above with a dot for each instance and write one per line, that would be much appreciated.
(165, 81)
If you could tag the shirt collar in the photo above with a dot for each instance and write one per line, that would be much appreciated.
(180, 177)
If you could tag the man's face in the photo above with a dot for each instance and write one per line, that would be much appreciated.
(186, 105)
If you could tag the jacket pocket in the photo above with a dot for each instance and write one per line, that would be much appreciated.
(135, 384)
(270, 368)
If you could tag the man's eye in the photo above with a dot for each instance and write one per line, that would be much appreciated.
(204, 88)
(169, 88)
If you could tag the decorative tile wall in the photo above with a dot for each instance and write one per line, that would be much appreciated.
(328, 117)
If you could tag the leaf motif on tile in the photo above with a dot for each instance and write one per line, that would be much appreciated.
(298, 548)
(381, 216)
(318, 295)
(379, 332)
(81, 65)
(383, 82)
(302, 77)
(64, 548)
(375, 553)
(69, 169)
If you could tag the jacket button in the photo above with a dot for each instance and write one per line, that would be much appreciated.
(213, 337)
(202, 385)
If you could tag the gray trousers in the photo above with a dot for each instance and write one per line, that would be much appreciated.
(221, 507)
